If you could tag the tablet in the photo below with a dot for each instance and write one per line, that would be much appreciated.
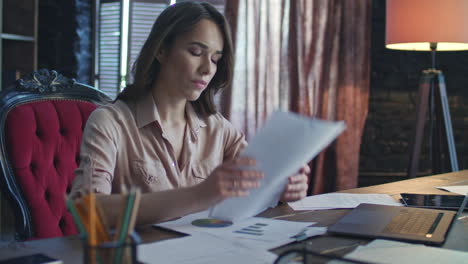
(438, 201)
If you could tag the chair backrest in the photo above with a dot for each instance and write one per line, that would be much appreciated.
(42, 117)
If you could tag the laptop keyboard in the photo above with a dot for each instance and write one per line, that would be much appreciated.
(411, 222)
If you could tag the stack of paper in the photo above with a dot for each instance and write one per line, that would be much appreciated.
(281, 147)
(341, 200)
(386, 251)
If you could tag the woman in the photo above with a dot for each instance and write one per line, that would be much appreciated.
(163, 133)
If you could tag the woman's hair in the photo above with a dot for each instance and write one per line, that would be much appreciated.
(173, 22)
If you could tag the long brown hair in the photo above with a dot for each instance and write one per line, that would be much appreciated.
(174, 21)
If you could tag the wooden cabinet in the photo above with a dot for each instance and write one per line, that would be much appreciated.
(18, 46)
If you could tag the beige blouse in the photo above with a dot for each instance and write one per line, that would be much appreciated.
(125, 143)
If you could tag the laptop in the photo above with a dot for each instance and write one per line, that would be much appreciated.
(428, 226)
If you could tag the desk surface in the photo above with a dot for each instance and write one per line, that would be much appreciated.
(69, 248)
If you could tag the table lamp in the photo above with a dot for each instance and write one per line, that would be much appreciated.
(429, 25)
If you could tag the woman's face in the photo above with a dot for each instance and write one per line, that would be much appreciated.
(189, 65)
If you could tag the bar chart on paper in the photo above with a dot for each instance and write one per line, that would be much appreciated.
(256, 229)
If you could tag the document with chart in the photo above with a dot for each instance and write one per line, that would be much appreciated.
(253, 232)
(286, 142)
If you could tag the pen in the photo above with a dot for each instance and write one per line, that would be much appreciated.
(301, 235)
(125, 224)
(76, 217)
(93, 241)
(102, 234)
(309, 232)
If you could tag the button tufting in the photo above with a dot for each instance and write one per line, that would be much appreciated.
(61, 223)
(38, 134)
(46, 195)
(62, 131)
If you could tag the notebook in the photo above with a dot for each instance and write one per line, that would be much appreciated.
(428, 226)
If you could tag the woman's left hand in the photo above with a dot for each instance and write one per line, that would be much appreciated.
(297, 186)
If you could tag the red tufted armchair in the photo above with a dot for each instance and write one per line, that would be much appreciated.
(42, 118)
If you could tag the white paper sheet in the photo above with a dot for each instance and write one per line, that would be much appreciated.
(460, 189)
(341, 200)
(254, 232)
(386, 251)
(285, 143)
(201, 249)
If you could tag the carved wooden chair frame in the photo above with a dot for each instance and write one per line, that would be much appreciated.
(39, 85)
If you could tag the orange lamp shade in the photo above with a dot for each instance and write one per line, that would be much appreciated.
(414, 24)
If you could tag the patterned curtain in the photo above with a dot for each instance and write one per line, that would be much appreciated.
(306, 56)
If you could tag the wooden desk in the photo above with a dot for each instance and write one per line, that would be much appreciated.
(69, 248)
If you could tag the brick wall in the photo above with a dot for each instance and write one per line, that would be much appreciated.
(395, 77)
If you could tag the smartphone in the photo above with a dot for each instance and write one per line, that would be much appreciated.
(438, 201)
(32, 259)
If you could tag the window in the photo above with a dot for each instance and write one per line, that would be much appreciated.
(122, 27)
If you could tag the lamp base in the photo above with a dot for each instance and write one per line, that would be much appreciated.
(432, 92)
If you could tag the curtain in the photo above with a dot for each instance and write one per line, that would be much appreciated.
(260, 31)
(309, 57)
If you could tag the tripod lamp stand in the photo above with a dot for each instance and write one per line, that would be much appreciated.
(430, 25)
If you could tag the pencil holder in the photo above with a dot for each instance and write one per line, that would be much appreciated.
(112, 252)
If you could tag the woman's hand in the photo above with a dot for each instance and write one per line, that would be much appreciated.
(233, 179)
(297, 186)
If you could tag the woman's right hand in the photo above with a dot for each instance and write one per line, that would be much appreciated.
(233, 179)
